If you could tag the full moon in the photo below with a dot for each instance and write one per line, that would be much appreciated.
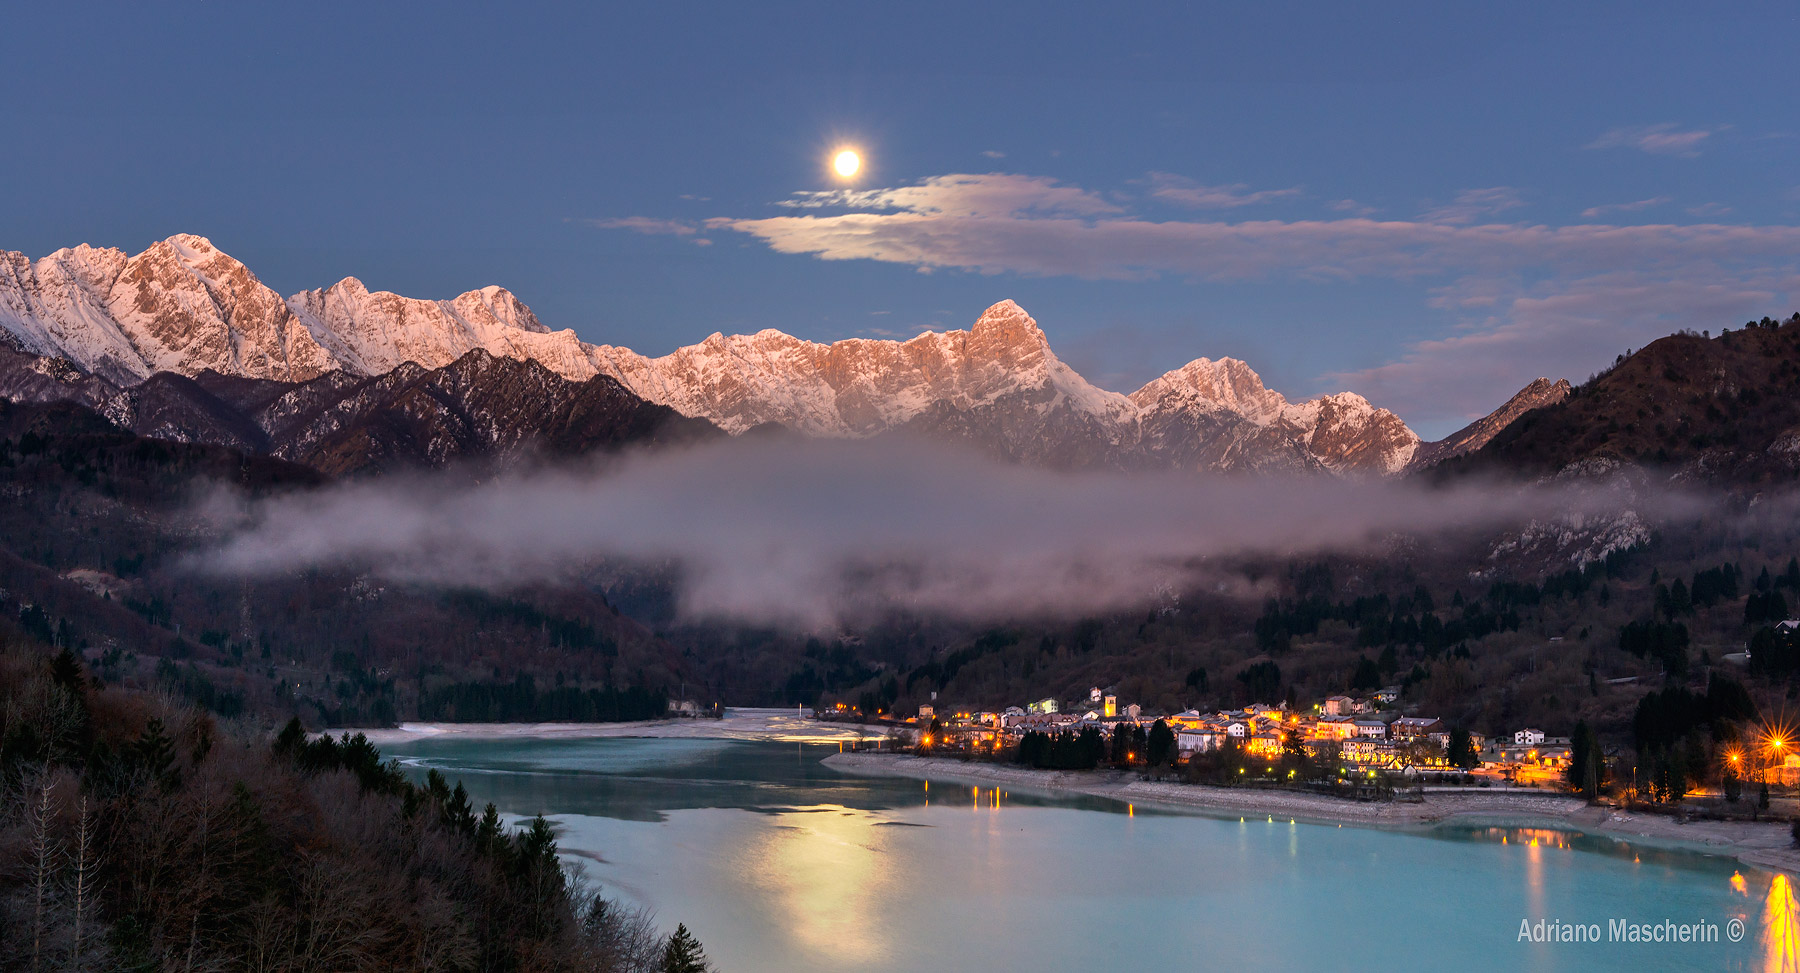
(846, 163)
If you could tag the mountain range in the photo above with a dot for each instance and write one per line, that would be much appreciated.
(183, 342)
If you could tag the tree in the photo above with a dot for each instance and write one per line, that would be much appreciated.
(44, 853)
(1293, 749)
(1262, 681)
(683, 953)
(1587, 762)
(1159, 749)
(1462, 750)
(1367, 676)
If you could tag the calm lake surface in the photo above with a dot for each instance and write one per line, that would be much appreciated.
(778, 863)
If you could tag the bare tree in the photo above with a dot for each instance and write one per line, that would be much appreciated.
(44, 852)
(614, 938)
(86, 865)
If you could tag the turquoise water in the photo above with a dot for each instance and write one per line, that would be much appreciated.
(778, 863)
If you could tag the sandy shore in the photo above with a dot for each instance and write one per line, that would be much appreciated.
(1764, 845)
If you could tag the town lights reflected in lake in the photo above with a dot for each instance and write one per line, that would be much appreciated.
(779, 863)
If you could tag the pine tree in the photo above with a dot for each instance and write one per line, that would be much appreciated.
(1159, 745)
(683, 953)
(1462, 750)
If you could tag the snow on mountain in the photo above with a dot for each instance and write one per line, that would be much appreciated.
(180, 306)
(373, 333)
(859, 386)
(1218, 415)
(185, 307)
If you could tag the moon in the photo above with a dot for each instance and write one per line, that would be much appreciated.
(846, 163)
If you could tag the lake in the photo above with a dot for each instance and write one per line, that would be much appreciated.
(778, 863)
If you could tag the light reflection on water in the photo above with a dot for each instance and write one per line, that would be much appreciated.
(1781, 948)
(778, 863)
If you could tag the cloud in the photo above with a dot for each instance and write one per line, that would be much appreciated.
(965, 196)
(994, 240)
(1595, 212)
(1662, 139)
(1180, 189)
(814, 534)
(1473, 204)
(1514, 332)
(648, 225)
(994, 154)
(1352, 207)
(1709, 209)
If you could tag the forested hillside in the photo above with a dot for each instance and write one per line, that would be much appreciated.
(140, 833)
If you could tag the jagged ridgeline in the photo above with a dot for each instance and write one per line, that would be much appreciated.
(342, 378)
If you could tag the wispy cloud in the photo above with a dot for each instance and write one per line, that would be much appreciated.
(1595, 212)
(648, 225)
(965, 196)
(994, 153)
(1179, 189)
(1474, 204)
(1028, 225)
(1663, 139)
(1351, 207)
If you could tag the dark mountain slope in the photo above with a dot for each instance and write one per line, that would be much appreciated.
(96, 528)
(1540, 393)
(1722, 410)
(478, 409)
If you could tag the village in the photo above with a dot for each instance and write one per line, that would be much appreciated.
(1355, 734)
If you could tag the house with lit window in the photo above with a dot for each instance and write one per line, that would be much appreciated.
(1374, 729)
(1332, 728)
(1264, 744)
(1408, 728)
(1199, 740)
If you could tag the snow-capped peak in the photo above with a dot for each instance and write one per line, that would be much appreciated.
(183, 305)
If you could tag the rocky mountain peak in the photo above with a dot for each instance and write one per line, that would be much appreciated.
(1007, 321)
(185, 306)
(1539, 393)
(1225, 383)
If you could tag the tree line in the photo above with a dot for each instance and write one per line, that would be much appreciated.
(139, 834)
(520, 701)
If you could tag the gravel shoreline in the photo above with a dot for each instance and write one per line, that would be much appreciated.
(1765, 844)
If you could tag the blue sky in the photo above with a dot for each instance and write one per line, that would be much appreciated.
(1429, 206)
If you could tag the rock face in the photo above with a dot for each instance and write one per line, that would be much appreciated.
(181, 306)
(1479, 433)
(1218, 415)
(133, 327)
(375, 333)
